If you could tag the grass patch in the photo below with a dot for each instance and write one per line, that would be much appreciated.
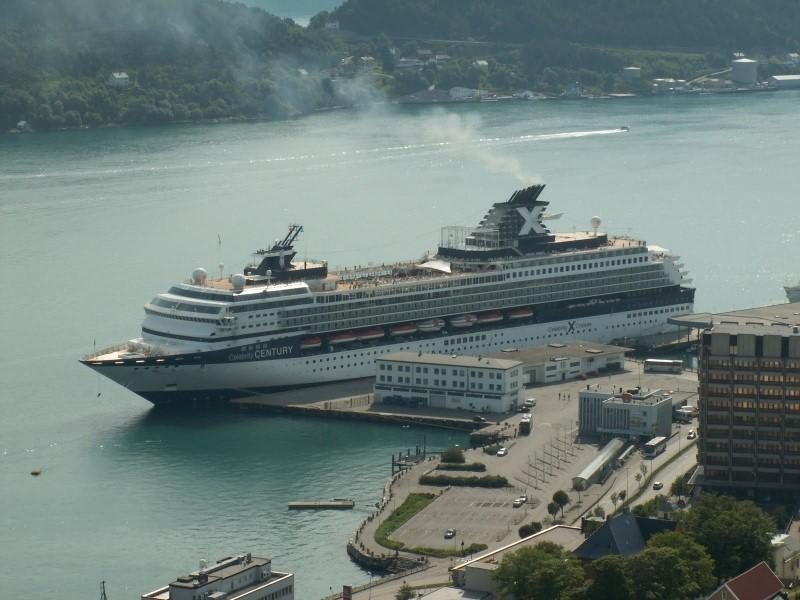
(448, 552)
(487, 481)
(475, 466)
(411, 506)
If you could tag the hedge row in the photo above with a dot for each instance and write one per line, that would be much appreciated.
(487, 481)
(476, 466)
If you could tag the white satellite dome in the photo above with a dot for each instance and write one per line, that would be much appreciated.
(238, 282)
(199, 276)
(595, 221)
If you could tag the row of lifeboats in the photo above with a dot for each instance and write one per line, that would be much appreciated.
(427, 326)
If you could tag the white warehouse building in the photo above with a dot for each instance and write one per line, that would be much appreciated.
(472, 383)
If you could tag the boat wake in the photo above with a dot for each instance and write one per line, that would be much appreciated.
(321, 160)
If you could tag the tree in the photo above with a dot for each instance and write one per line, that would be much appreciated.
(699, 565)
(599, 512)
(659, 573)
(638, 479)
(453, 455)
(530, 529)
(614, 499)
(736, 533)
(542, 571)
(611, 580)
(553, 509)
(404, 593)
(622, 495)
(680, 487)
(643, 469)
(562, 499)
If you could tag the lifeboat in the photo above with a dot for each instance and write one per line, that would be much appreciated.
(343, 337)
(404, 329)
(520, 313)
(311, 343)
(431, 325)
(490, 317)
(463, 321)
(365, 335)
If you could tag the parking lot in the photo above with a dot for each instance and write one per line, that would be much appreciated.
(482, 516)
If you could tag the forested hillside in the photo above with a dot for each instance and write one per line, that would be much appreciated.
(186, 59)
(768, 26)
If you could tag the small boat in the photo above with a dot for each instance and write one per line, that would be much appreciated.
(311, 343)
(36, 472)
(625, 128)
(463, 320)
(343, 337)
(431, 325)
(490, 317)
(520, 313)
(404, 329)
(365, 335)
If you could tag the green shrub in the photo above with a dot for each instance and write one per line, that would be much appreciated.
(476, 466)
(448, 552)
(492, 450)
(530, 529)
(453, 455)
(487, 481)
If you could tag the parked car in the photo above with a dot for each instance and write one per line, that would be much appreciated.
(502, 452)
(519, 501)
(691, 435)
(530, 402)
(449, 534)
(657, 485)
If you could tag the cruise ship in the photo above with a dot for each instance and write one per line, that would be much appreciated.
(285, 322)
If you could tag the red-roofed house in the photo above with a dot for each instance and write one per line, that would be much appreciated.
(757, 583)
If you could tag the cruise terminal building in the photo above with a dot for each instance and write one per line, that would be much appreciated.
(471, 383)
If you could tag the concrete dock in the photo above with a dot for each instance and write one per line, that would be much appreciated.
(354, 400)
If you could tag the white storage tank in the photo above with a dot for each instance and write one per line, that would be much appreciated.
(744, 71)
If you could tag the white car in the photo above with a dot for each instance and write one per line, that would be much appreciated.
(502, 452)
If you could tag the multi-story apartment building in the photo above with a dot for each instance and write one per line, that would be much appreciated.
(749, 404)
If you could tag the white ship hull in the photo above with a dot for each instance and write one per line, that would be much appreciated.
(203, 382)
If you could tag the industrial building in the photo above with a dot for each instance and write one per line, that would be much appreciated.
(568, 360)
(749, 406)
(632, 74)
(785, 82)
(243, 577)
(631, 414)
(602, 464)
(473, 383)
(744, 71)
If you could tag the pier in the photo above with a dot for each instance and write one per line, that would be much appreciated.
(353, 400)
(332, 504)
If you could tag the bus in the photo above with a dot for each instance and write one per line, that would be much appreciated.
(654, 447)
(662, 365)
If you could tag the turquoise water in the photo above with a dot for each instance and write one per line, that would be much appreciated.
(94, 223)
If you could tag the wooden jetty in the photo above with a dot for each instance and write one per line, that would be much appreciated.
(332, 504)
